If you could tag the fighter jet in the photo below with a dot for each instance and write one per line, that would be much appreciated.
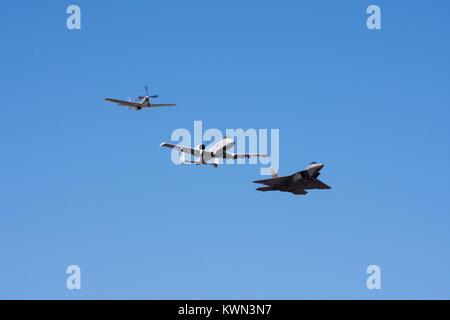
(141, 102)
(296, 183)
(216, 152)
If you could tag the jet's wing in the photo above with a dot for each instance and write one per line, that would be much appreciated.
(194, 152)
(243, 155)
(274, 182)
(125, 103)
(266, 189)
(317, 184)
(162, 105)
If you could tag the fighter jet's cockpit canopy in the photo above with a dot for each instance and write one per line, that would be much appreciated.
(313, 162)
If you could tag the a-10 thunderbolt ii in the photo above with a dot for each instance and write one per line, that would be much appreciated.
(141, 102)
(215, 153)
(296, 183)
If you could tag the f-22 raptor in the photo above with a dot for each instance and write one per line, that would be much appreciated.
(296, 183)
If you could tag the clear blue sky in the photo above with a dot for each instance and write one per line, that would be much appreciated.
(85, 182)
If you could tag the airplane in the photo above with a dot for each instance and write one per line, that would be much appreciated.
(296, 183)
(215, 153)
(143, 103)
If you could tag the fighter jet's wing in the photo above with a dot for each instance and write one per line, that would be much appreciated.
(243, 155)
(266, 189)
(317, 184)
(125, 103)
(274, 182)
(162, 105)
(194, 152)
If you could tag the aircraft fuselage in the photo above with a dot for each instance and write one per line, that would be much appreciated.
(218, 150)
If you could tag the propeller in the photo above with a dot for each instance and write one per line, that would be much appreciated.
(152, 96)
(146, 95)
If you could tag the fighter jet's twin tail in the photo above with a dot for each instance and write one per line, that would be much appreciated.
(296, 183)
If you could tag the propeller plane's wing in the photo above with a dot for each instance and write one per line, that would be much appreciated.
(162, 105)
(125, 103)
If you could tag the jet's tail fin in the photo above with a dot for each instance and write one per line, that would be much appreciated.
(274, 173)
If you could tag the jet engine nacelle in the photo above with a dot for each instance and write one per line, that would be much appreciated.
(201, 147)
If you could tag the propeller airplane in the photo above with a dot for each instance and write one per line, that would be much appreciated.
(141, 102)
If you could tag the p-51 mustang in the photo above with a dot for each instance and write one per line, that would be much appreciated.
(296, 183)
(142, 102)
(215, 153)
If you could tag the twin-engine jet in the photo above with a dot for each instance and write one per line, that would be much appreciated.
(215, 153)
(296, 183)
(141, 102)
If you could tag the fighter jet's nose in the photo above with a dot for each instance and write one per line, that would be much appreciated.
(321, 165)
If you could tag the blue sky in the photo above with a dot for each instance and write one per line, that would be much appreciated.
(84, 182)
